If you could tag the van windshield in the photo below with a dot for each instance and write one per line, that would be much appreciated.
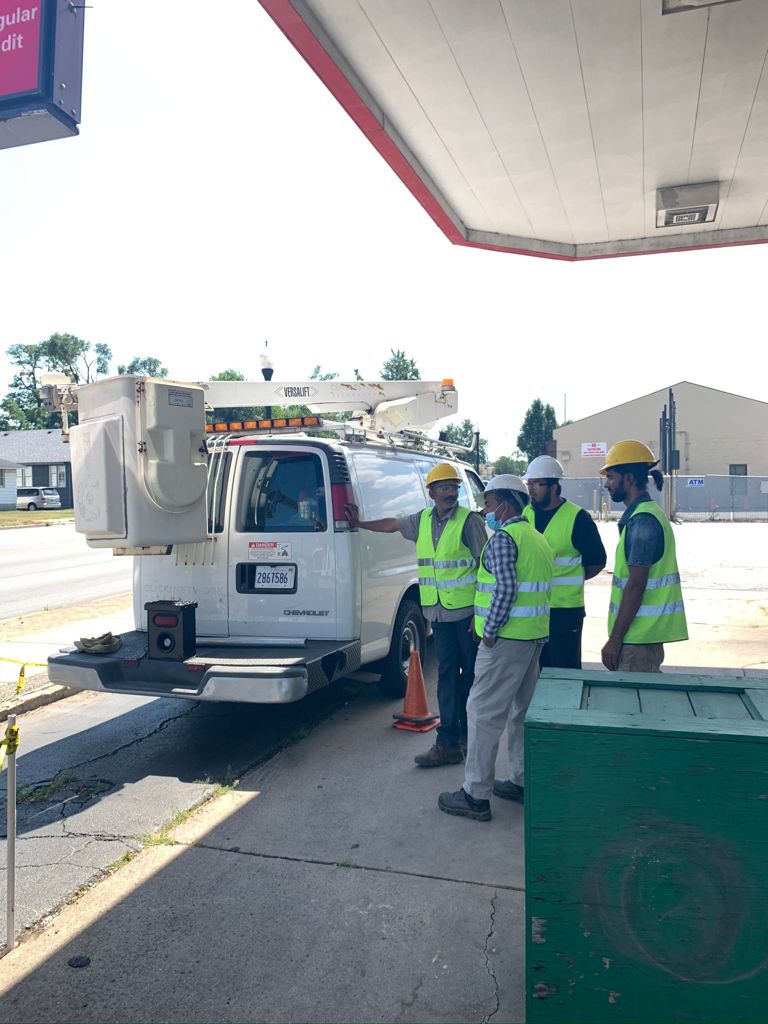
(281, 492)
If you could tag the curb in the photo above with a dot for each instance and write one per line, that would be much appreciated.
(37, 699)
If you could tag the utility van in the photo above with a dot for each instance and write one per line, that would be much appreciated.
(287, 595)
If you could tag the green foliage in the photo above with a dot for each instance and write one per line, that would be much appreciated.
(399, 367)
(464, 433)
(358, 375)
(83, 363)
(144, 366)
(537, 429)
(515, 463)
(317, 374)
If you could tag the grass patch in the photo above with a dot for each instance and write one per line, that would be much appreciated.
(39, 794)
(162, 837)
(42, 517)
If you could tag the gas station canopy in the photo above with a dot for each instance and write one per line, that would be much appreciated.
(571, 129)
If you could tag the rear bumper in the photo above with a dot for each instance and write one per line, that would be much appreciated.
(274, 676)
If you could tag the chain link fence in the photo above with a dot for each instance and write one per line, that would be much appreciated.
(711, 497)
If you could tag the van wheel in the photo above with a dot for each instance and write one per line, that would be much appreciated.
(31, 507)
(408, 635)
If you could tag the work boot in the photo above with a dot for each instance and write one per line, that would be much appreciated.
(508, 790)
(437, 756)
(465, 806)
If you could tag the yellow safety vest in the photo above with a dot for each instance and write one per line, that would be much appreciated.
(661, 615)
(529, 615)
(568, 572)
(446, 574)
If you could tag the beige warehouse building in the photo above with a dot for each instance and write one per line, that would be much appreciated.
(717, 432)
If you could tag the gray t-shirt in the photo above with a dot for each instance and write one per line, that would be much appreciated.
(644, 541)
(473, 535)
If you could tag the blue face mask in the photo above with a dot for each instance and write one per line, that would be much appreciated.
(492, 522)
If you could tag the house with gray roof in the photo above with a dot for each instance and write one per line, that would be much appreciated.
(41, 459)
(8, 483)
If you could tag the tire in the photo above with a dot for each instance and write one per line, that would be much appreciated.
(31, 507)
(409, 634)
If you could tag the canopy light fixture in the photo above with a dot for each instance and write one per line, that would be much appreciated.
(681, 205)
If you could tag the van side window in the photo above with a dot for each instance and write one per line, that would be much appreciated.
(281, 492)
(218, 478)
(388, 487)
(424, 468)
(476, 486)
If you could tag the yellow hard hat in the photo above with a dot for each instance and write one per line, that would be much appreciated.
(443, 471)
(627, 453)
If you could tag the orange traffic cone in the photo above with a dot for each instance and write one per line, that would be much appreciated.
(415, 716)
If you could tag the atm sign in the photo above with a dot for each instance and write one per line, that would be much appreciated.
(19, 46)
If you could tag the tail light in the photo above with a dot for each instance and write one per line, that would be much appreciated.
(341, 495)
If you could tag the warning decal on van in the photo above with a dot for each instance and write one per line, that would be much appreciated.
(259, 549)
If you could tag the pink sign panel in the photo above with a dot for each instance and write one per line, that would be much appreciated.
(19, 45)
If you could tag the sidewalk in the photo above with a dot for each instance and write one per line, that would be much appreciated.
(327, 887)
(29, 639)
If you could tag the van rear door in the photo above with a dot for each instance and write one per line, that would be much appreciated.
(283, 571)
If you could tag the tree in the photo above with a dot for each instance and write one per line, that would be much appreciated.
(537, 429)
(515, 463)
(464, 433)
(399, 367)
(317, 374)
(232, 414)
(145, 366)
(22, 409)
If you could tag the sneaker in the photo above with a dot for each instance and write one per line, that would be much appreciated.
(437, 756)
(508, 790)
(465, 806)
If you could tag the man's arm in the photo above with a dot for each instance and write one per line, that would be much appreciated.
(388, 525)
(586, 540)
(631, 598)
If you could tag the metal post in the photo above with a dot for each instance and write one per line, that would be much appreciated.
(477, 451)
(10, 897)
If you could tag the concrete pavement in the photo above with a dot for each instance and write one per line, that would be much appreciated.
(328, 887)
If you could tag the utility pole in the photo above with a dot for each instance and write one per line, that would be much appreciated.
(267, 369)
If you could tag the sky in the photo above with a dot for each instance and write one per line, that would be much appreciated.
(218, 196)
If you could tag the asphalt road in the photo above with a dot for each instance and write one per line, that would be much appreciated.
(52, 567)
(96, 773)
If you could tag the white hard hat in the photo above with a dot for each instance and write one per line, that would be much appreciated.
(508, 482)
(544, 467)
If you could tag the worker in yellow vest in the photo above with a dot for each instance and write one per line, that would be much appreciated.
(646, 609)
(512, 620)
(579, 555)
(449, 540)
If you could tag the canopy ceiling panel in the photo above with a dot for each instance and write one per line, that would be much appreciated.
(548, 127)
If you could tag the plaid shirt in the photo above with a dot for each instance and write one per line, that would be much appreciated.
(500, 558)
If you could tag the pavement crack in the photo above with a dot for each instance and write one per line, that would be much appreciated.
(489, 962)
(321, 862)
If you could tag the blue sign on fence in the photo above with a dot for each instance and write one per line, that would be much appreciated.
(695, 481)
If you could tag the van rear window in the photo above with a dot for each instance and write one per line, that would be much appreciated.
(281, 492)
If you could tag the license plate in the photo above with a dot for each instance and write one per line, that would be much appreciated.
(274, 577)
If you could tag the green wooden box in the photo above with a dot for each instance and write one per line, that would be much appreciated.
(646, 840)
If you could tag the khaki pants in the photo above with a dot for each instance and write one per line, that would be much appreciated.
(641, 658)
(505, 678)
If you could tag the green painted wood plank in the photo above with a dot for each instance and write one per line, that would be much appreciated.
(646, 896)
(619, 699)
(557, 693)
(718, 705)
(757, 702)
(743, 730)
(665, 680)
(665, 703)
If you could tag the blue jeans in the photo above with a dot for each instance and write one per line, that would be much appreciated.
(456, 650)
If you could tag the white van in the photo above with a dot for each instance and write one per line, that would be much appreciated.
(289, 597)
